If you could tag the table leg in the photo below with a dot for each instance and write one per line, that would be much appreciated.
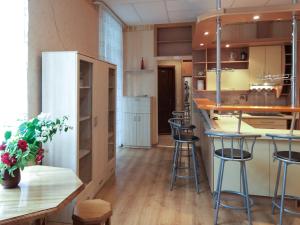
(240, 122)
(40, 221)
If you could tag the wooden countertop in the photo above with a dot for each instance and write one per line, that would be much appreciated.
(43, 190)
(203, 103)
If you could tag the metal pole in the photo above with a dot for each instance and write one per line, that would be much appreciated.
(218, 58)
(294, 60)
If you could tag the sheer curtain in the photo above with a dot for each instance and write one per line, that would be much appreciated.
(111, 49)
(13, 61)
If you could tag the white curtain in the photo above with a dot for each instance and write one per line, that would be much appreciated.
(111, 49)
(13, 63)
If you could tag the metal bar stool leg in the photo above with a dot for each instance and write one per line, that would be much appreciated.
(245, 181)
(174, 165)
(195, 168)
(283, 192)
(243, 185)
(219, 188)
(276, 187)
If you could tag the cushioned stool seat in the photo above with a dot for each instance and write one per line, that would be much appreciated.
(236, 153)
(92, 212)
(295, 156)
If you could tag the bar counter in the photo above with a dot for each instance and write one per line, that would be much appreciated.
(262, 170)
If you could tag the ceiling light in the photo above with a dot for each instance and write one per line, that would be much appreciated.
(201, 44)
(227, 45)
(256, 17)
(206, 33)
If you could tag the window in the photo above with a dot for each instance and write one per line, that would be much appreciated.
(111, 49)
(13, 61)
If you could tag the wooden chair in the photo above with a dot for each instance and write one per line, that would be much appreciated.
(92, 212)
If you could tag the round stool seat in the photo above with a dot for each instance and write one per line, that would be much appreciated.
(284, 155)
(94, 211)
(186, 137)
(236, 154)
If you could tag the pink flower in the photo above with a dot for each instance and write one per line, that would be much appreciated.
(5, 158)
(13, 160)
(40, 151)
(22, 145)
(38, 159)
(2, 147)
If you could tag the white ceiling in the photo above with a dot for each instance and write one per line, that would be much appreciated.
(138, 12)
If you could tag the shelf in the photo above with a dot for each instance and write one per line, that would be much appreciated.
(199, 62)
(84, 118)
(139, 71)
(83, 153)
(175, 41)
(85, 87)
(199, 76)
(229, 62)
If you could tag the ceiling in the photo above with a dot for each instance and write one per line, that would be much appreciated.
(139, 12)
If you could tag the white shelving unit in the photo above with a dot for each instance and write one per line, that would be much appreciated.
(83, 89)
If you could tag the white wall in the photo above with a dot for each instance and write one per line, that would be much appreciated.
(56, 25)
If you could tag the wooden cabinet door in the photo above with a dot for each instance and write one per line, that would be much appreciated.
(100, 113)
(257, 59)
(273, 60)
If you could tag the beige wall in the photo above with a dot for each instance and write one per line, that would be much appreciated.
(56, 25)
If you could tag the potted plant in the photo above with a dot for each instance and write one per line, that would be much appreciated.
(25, 146)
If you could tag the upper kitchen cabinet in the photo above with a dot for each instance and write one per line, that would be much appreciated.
(173, 40)
(263, 61)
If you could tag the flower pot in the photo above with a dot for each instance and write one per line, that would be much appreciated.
(9, 181)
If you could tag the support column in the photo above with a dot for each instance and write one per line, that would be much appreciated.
(218, 55)
(294, 86)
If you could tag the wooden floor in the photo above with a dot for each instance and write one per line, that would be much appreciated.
(140, 195)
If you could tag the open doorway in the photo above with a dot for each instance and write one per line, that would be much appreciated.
(166, 97)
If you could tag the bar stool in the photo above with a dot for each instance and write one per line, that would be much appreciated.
(92, 212)
(233, 149)
(287, 157)
(184, 118)
(181, 136)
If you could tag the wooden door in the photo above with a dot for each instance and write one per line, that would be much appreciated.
(166, 98)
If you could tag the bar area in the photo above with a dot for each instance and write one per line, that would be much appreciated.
(250, 118)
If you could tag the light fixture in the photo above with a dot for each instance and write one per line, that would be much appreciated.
(201, 44)
(206, 33)
(256, 17)
(227, 45)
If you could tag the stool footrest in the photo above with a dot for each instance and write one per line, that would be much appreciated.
(287, 210)
(229, 206)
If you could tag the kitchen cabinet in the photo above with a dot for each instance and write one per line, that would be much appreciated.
(81, 88)
(264, 60)
(137, 118)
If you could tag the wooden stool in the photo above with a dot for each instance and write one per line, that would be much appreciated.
(92, 212)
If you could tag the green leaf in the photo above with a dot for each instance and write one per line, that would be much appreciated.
(7, 135)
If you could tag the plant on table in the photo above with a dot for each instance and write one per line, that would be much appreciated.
(25, 146)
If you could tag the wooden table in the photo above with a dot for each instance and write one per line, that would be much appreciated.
(43, 190)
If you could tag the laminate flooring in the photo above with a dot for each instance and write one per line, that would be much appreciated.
(140, 195)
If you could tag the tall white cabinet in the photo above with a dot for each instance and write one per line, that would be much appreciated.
(82, 88)
(137, 116)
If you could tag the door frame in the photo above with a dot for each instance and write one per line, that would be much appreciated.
(164, 66)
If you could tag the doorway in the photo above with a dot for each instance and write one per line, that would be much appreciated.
(166, 97)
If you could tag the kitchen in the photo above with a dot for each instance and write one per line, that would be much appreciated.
(120, 150)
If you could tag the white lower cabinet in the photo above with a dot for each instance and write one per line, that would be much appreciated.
(137, 129)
